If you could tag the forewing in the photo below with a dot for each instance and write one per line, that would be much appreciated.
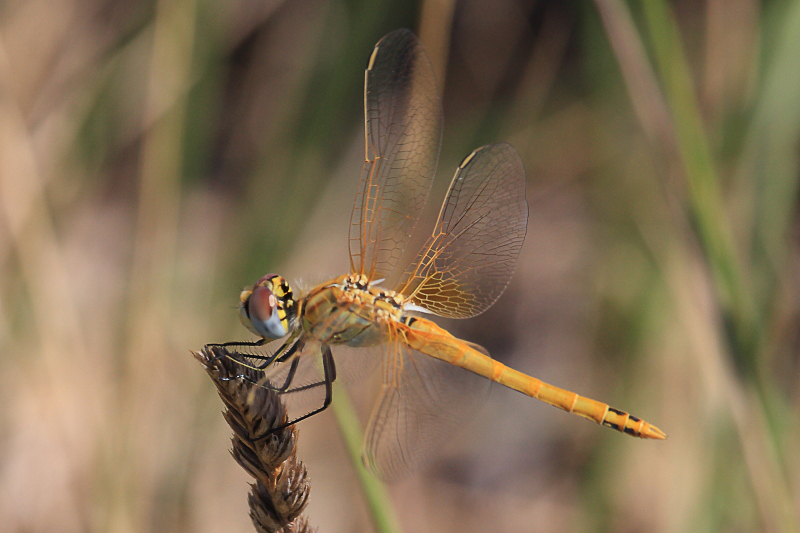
(422, 403)
(402, 131)
(468, 260)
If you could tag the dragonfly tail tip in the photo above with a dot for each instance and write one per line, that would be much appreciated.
(652, 432)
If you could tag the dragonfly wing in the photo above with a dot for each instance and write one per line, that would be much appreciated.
(402, 131)
(356, 365)
(468, 260)
(423, 402)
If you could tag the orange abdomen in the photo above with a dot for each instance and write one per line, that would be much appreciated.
(427, 337)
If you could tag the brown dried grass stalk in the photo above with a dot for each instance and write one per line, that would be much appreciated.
(281, 490)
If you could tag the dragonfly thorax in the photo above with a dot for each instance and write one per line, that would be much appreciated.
(351, 311)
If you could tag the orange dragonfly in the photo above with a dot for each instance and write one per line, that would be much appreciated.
(431, 381)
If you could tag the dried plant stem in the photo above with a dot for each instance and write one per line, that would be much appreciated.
(281, 490)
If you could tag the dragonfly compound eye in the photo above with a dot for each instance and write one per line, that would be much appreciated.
(264, 315)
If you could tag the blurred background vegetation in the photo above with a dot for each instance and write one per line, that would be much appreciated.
(156, 157)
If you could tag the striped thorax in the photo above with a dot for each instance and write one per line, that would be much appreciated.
(351, 311)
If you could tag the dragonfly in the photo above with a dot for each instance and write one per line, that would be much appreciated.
(431, 381)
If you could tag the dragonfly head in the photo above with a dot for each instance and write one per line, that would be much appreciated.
(269, 307)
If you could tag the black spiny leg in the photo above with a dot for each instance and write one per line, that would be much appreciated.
(329, 376)
(289, 377)
(221, 349)
(282, 389)
(282, 354)
(259, 342)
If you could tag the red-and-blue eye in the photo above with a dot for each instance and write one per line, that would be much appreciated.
(265, 308)
(262, 304)
(260, 312)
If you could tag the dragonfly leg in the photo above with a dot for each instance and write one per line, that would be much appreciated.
(260, 383)
(281, 355)
(329, 375)
(259, 342)
(328, 378)
(224, 352)
(284, 389)
(289, 377)
(286, 382)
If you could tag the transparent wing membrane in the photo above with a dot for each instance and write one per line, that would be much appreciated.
(422, 402)
(402, 131)
(468, 260)
(356, 365)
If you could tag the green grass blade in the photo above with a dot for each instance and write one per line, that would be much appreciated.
(705, 195)
(378, 500)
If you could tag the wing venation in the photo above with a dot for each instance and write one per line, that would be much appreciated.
(402, 133)
(468, 261)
